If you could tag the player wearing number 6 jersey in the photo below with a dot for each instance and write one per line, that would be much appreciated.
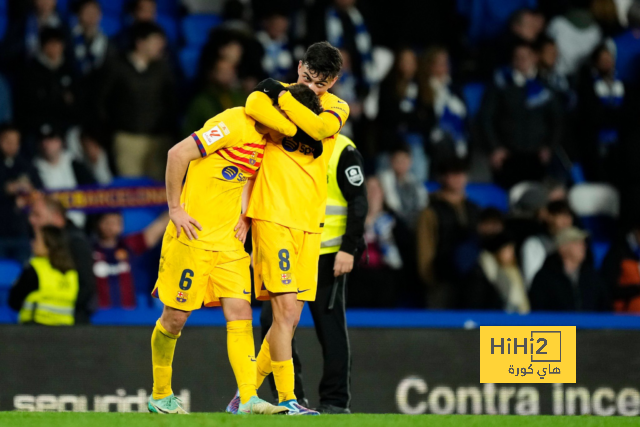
(203, 259)
(287, 207)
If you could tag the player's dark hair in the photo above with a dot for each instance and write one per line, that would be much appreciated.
(48, 34)
(304, 95)
(57, 243)
(144, 30)
(559, 207)
(323, 60)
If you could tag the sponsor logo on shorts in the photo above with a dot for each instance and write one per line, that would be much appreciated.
(246, 293)
(286, 278)
(229, 172)
(303, 291)
(182, 296)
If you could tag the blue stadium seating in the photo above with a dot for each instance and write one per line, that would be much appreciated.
(9, 272)
(484, 195)
(170, 27)
(488, 18)
(601, 228)
(3, 26)
(473, 93)
(3, 7)
(628, 56)
(111, 24)
(115, 7)
(196, 28)
(64, 7)
(600, 250)
(169, 7)
(189, 59)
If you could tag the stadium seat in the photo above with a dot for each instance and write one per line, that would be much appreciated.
(628, 56)
(488, 18)
(473, 93)
(3, 26)
(597, 205)
(189, 59)
(64, 7)
(518, 190)
(9, 272)
(196, 28)
(600, 250)
(111, 24)
(484, 195)
(115, 7)
(3, 7)
(170, 27)
(168, 7)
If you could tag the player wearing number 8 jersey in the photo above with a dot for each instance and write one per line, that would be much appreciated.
(203, 259)
(288, 206)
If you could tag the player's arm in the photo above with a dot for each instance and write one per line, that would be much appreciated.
(260, 107)
(153, 233)
(177, 163)
(244, 223)
(317, 126)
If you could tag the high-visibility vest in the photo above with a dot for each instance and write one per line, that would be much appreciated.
(55, 300)
(335, 222)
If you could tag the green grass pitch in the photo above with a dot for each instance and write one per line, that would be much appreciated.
(69, 419)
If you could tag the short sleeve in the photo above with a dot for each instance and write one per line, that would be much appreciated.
(224, 130)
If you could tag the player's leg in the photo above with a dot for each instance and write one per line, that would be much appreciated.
(182, 279)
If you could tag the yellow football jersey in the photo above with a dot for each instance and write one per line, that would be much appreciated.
(291, 188)
(232, 151)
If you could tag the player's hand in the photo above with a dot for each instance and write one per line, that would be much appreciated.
(269, 87)
(343, 264)
(304, 138)
(242, 228)
(182, 220)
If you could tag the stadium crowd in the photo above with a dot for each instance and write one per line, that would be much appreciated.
(535, 98)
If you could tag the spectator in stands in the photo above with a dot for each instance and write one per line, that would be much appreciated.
(47, 290)
(344, 27)
(136, 100)
(621, 271)
(627, 47)
(91, 47)
(6, 102)
(112, 255)
(17, 178)
(497, 281)
(547, 51)
(404, 195)
(369, 284)
(556, 217)
(568, 281)
(602, 98)
(577, 34)
(450, 220)
(605, 13)
(95, 158)
(521, 120)
(223, 91)
(48, 88)
(48, 211)
(139, 11)
(444, 110)
(22, 40)
(277, 61)
(525, 25)
(346, 89)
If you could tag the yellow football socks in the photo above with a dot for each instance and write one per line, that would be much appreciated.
(242, 357)
(285, 380)
(163, 345)
(263, 362)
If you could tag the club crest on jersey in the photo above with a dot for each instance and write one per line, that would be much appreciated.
(252, 160)
(286, 278)
(290, 145)
(182, 296)
(229, 172)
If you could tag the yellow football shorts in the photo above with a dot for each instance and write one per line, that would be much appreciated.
(284, 260)
(189, 277)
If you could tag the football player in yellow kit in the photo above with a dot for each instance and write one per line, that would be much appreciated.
(287, 207)
(203, 260)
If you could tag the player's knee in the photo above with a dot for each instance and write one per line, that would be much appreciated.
(288, 315)
(174, 320)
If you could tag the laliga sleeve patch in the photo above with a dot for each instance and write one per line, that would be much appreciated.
(212, 135)
(355, 175)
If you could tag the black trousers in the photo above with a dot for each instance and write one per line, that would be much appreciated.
(331, 329)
